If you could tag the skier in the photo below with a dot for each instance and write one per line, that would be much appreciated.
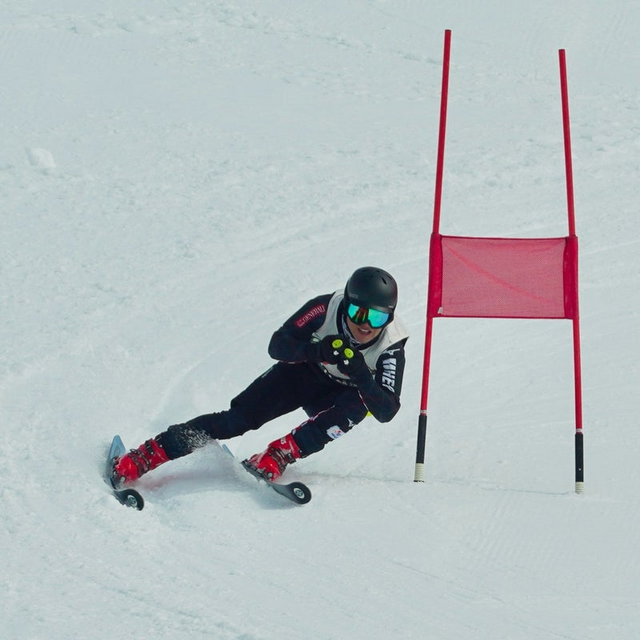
(340, 357)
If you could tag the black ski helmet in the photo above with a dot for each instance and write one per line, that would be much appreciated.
(373, 288)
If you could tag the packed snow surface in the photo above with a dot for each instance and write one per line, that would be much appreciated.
(176, 179)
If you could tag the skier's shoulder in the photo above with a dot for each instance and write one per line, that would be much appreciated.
(322, 299)
(312, 310)
(396, 335)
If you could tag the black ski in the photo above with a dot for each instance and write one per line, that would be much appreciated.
(297, 492)
(127, 497)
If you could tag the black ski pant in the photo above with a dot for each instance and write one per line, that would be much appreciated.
(333, 409)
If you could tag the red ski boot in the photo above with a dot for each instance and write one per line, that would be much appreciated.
(280, 453)
(131, 466)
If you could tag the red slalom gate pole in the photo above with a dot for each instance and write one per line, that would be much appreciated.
(422, 418)
(579, 444)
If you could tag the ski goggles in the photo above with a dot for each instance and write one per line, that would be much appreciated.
(360, 315)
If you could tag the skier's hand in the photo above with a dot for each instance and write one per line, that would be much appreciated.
(351, 362)
(328, 349)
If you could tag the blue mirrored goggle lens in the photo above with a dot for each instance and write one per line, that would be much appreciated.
(360, 315)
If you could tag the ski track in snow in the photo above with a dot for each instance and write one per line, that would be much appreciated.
(176, 181)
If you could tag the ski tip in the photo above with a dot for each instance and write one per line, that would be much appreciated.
(117, 441)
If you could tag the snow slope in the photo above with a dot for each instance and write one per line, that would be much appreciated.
(175, 180)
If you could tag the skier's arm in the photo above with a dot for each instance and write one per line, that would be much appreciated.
(292, 341)
(380, 391)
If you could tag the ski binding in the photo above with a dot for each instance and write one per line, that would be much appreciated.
(297, 492)
(128, 497)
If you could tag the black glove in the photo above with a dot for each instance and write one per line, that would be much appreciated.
(350, 362)
(328, 349)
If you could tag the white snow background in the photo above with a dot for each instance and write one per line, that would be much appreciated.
(175, 180)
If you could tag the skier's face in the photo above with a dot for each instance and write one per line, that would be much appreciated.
(363, 333)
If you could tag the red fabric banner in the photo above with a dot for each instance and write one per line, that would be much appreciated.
(502, 277)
